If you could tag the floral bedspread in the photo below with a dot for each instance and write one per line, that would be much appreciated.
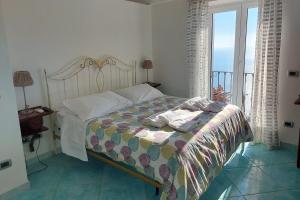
(185, 163)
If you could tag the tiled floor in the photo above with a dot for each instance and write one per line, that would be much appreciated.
(255, 174)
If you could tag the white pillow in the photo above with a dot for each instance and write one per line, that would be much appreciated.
(140, 93)
(96, 105)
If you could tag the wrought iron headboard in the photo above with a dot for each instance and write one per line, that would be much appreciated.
(85, 76)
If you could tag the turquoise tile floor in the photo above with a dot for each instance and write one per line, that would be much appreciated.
(254, 174)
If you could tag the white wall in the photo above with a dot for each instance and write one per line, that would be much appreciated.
(289, 88)
(10, 136)
(168, 36)
(50, 33)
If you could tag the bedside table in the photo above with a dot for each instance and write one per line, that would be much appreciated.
(31, 123)
(152, 84)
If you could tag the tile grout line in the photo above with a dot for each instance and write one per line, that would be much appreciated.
(59, 183)
(283, 188)
(101, 184)
(270, 192)
(233, 183)
(243, 195)
(284, 163)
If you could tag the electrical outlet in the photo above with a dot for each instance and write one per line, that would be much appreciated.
(292, 73)
(288, 124)
(5, 164)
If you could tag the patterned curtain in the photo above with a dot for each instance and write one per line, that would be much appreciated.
(197, 48)
(265, 91)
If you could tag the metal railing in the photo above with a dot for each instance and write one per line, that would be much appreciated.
(219, 75)
(223, 80)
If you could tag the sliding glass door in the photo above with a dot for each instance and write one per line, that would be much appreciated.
(232, 58)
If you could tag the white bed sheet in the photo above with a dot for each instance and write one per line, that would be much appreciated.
(72, 134)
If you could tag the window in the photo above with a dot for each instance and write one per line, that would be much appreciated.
(232, 58)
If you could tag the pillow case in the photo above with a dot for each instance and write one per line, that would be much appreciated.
(96, 105)
(140, 93)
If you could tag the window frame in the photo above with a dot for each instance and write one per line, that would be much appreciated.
(241, 8)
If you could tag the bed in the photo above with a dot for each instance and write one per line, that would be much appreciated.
(182, 164)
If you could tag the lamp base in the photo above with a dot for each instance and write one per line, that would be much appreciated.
(147, 76)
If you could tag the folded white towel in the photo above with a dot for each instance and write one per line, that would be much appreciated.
(172, 115)
(182, 120)
(162, 119)
(186, 121)
(155, 120)
(204, 104)
(185, 117)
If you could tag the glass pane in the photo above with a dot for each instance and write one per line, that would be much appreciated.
(224, 27)
(250, 57)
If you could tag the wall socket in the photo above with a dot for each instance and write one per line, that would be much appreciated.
(293, 73)
(288, 124)
(5, 164)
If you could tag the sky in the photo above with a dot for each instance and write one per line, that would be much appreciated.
(223, 50)
(224, 40)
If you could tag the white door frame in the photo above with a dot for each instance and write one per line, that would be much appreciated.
(243, 39)
(241, 9)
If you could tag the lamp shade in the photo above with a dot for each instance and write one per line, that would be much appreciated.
(147, 64)
(297, 102)
(22, 78)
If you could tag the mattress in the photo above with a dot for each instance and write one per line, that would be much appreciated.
(184, 162)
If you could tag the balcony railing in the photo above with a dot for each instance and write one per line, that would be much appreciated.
(222, 87)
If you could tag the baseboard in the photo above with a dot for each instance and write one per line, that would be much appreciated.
(289, 146)
(43, 156)
(13, 192)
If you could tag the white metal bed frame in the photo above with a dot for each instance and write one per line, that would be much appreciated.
(85, 76)
(107, 73)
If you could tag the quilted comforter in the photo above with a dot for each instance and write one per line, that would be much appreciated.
(184, 162)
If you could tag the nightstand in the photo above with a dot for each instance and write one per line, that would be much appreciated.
(31, 123)
(152, 84)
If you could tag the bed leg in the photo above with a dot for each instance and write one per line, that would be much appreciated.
(54, 145)
(156, 191)
(52, 128)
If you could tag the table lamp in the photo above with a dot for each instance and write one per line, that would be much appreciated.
(147, 65)
(23, 79)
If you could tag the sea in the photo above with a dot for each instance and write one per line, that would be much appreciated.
(222, 71)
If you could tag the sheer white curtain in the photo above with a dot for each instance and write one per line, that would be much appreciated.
(197, 48)
(265, 91)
